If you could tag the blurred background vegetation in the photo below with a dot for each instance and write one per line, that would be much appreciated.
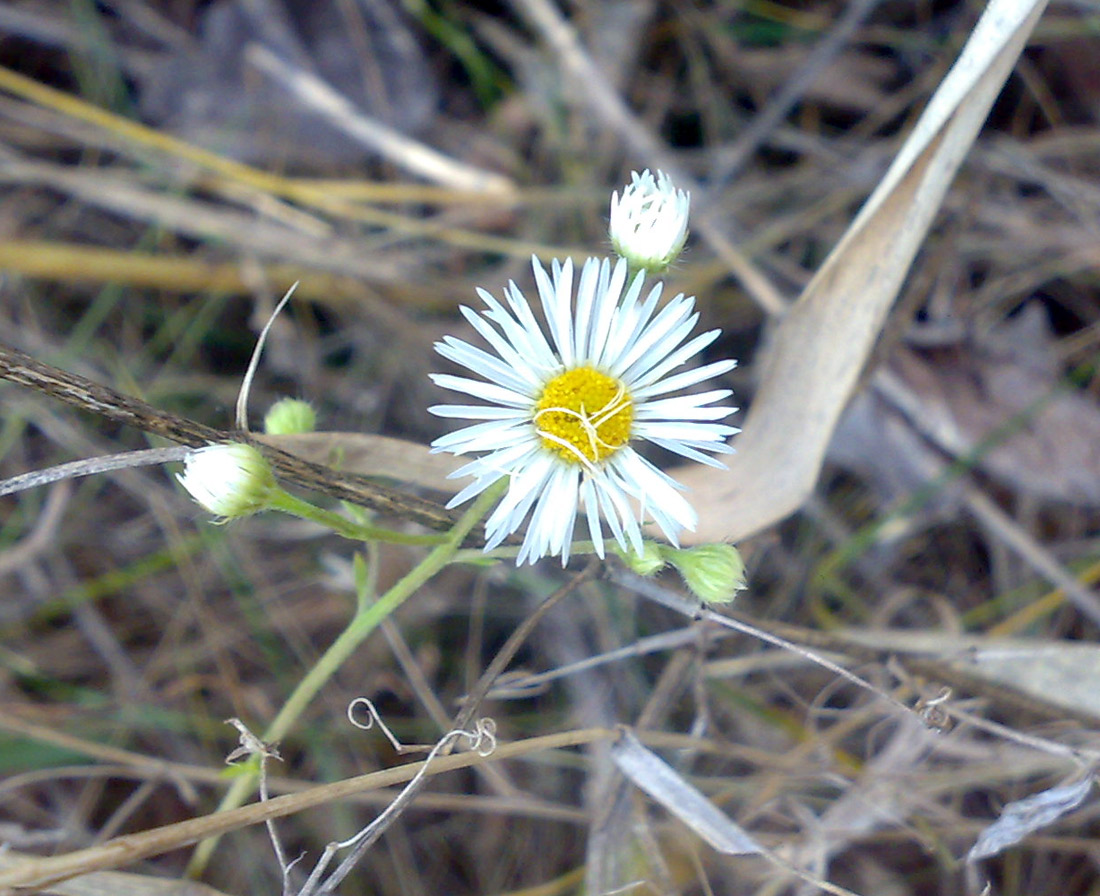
(167, 169)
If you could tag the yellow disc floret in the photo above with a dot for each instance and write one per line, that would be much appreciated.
(584, 415)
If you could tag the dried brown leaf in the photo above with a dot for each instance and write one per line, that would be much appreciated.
(371, 455)
(821, 345)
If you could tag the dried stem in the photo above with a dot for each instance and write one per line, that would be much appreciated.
(21, 368)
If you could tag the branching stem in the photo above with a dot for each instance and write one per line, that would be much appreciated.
(364, 622)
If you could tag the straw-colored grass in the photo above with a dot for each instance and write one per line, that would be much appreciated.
(894, 224)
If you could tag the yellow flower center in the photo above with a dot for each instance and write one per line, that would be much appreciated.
(584, 415)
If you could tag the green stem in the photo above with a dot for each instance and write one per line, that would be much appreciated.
(341, 525)
(345, 645)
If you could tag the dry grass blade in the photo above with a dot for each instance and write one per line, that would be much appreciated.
(1028, 815)
(662, 782)
(130, 848)
(90, 467)
(901, 683)
(309, 242)
(79, 263)
(1049, 678)
(822, 344)
(118, 883)
(411, 155)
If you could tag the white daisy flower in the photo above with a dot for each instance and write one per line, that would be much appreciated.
(230, 480)
(563, 411)
(648, 225)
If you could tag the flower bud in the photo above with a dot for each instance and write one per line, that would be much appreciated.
(649, 224)
(648, 563)
(713, 572)
(290, 416)
(231, 480)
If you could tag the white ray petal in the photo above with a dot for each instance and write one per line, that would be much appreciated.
(683, 413)
(669, 508)
(643, 379)
(523, 490)
(685, 432)
(629, 328)
(483, 364)
(611, 310)
(692, 453)
(481, 436)
(488, 391)
(592, 515)
(508, 353)
(555, 294)
(654, 344)
(520, 307)
(586, 295)
(479, 412)
(683, 380)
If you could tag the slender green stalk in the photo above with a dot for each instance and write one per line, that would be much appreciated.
(341, 525)
(363, 623)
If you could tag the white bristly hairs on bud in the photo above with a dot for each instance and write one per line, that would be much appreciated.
(290, 416)
(713, 572)
(231, 480)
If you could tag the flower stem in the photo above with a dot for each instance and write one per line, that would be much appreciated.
(341, 525)
(361, 625)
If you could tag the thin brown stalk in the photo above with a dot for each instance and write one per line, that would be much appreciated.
(86, 395)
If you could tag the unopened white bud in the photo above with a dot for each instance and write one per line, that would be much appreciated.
(231, 480)
(649, 223)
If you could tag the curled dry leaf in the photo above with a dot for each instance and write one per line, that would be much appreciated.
(821, 345)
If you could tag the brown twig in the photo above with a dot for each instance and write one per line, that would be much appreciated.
(19, 367)
(36, 873)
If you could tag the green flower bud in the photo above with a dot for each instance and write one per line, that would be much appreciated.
(713, 572)
(231, 480)
(290, 416)
(648, 563)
